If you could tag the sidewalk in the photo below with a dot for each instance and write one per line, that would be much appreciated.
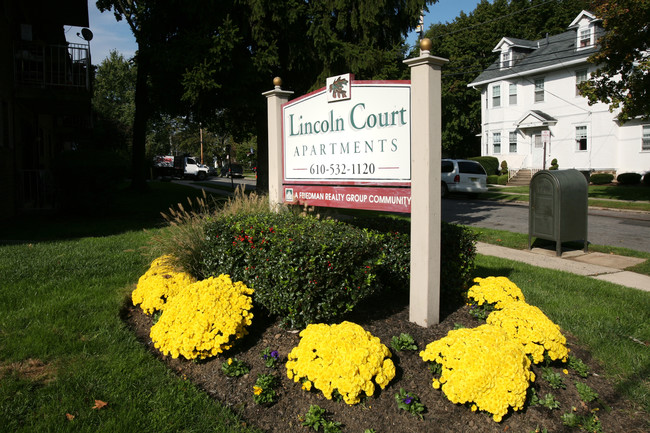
(607, 267)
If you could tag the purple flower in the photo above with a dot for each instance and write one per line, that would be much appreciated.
(408, 400)
(275, 354)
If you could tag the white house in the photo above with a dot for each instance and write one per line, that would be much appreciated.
(532, 112)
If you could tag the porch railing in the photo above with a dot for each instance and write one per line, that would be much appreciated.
(43, 65)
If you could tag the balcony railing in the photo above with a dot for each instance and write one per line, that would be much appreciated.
(41, 65)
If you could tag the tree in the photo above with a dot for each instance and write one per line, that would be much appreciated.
(157, 87)
(221, 55)
(468, 42)
(113, 101)
(303, 42)
(622, 78)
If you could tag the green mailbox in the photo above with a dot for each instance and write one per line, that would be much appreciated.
(558, 207)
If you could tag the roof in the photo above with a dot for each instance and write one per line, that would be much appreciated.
(515, 42)
(534, 119)
(553, 52)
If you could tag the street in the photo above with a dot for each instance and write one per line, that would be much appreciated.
(605, 227)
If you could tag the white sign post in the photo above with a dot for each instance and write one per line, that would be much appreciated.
(426, 145)
(274, 100)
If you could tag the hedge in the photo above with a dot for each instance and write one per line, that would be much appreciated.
(628, 178)
(489, 163)
(601, 178)
(503, 179)
(493, 179)
(306, 270)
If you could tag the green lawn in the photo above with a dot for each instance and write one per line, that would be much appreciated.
(631, 197)
(63, 343)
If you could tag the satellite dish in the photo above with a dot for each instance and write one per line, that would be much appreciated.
(87, 34)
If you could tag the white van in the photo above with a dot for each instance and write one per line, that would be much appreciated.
(461, 175)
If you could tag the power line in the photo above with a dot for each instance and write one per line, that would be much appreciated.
(495, 19)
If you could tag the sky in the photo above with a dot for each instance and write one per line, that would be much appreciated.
(109, 34)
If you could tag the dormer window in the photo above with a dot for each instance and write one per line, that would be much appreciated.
(505, 59)
(584, 37)
(585, 26)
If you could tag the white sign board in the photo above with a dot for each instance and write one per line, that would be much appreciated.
(360, 137)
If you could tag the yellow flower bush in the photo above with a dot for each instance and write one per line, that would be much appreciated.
(160, 283)
(482, 365)
(204, 319)
(533, 329)
(497, 291)
(342, 357)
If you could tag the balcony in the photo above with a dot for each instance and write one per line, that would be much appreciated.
(52, 66)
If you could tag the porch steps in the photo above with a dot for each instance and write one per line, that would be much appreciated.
(521, 178)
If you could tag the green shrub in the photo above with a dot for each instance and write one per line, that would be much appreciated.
(489, 163)
(502, 179)
(554, 164)
(493, 179)
(646, 178)
(307, 270)
(628, 178)
(457, 254)
(504, 167)
(601, 178)
(303, 269)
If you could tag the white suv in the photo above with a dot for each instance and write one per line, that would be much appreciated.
(461, 175)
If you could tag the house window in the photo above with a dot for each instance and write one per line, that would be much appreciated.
(645, 142)
(539, 90)
(505, 59)
(581, 76)
(584, 38)
(512, 95)
(581, 137)
(512, 139)
(538, 141)
(496, 142)
(496, 96)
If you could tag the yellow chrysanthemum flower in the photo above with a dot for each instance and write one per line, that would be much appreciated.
(159, 284)
(497, 291)
(533, 329)
(342, 357)
(204, 319)
(483, 366)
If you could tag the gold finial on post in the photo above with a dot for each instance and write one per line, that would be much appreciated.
(425, 44)
(277, 81)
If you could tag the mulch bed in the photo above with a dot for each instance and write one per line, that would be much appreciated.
(386, 318)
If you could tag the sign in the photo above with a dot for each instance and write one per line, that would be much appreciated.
(383, 199)
(546, 136)
(360, 136)
(349, 134)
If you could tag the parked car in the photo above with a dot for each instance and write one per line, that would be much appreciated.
(463, 176)
(232, 170)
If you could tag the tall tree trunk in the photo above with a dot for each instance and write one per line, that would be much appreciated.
(138, 166)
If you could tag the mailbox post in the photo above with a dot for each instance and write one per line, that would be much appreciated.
(558, 207)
